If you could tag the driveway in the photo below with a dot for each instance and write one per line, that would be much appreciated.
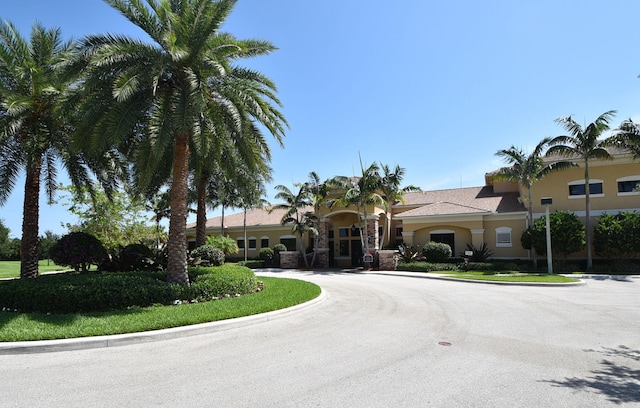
(378, 340)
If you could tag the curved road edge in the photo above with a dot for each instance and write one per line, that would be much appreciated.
(115, 340)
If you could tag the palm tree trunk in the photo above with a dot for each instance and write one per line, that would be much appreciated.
(302, 250)
(587, 222)
(30, 214)
(177, 244)
(201, 217)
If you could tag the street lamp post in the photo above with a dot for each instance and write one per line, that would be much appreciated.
(547, 201)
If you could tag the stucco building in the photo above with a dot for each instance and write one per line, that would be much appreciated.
(495, 214)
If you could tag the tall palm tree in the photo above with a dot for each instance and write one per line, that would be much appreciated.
(318, 192)
(167, 95)
(584, 145)
(627, 136)
(34, 128)
(392, 193)
(362, 192)
(528, 170)
(298, 214)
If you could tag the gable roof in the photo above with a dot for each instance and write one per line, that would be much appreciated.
(458, 201)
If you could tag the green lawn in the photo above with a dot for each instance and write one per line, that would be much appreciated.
(11, 269)
(279, 293)
(515, 277)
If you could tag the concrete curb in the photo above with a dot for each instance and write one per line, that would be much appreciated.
(447, 278)
(49, 346)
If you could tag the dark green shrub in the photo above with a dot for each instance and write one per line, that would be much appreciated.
(134, 257)
(252, 264)
(277, 248)
(78, 250)
(567, 235)
(207, 255)
(266, 253)
(426, 267)
(618, 236)
(436, 251)
(81, 293)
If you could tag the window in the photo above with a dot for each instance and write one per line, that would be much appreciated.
(240, 243)
(576, 188)
(264, 242)
(503, 237)
(629, 185)
(344, 247)
(398, 232)
(290, 243)
(344, 232)
(252, 243)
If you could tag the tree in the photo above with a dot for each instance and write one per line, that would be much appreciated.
(527, 170)
(117, 221)
(34, 126)
(392, 193)
(583, 144)
(5, 242)
(627, 137)
(298, 213)
(318, 192)
(567, 234)
(46, 242)
(362, 192)
(618, 236)
(164, 100)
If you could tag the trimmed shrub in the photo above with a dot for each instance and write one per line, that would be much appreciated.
(207, 255)
(82, 293)
(436, 251)
(266, 253)
(78, 250)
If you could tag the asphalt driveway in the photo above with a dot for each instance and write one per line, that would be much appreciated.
(378, 340)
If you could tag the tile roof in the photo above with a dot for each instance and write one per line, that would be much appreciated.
(457, 201)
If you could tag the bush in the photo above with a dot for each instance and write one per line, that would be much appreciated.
(78, 250)
(436, 251)
(567, 235)
(207, 255)
(266, 253)
(277, 248)
(227, 245)
(478, 254)
(408, 253)
(426, 267)
(134, 257)
(618, 236)
(81, 293)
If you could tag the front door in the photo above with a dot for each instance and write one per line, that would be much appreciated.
(356, 253)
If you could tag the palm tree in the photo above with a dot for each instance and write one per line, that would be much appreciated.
(627, 137)
(583, 144)
(169, 96)
(527, 170)
(318, 192)
(34, 129)
(297, 213)
(362, 192)
(392, 193)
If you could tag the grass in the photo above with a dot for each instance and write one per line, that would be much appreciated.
(11, 269)
(511, 277)
(279, 293)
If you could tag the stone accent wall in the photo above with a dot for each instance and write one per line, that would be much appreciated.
(289, 259)
(388, 260)
(372, 232)
(322, 258)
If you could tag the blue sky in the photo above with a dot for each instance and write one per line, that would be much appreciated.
(434, 86)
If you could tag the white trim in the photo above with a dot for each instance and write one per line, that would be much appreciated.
(581, 183)
(442, 231)
(504, 231)
(628, 178)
